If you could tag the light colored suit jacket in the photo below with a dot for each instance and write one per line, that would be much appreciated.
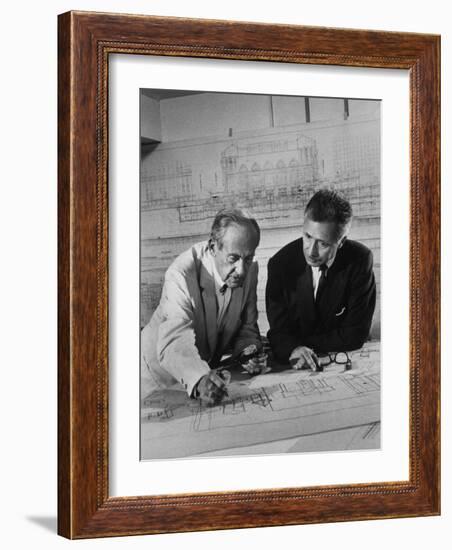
(181, 338)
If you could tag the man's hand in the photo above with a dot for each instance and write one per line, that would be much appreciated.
(257, 364)
(210, 389)
(303, 357)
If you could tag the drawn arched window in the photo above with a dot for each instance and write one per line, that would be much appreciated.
(312, 153)
(256, 175)
(230, 164)
(268, 173)
(243, 175)
(229, 159)
(294, 172)
(281, 172)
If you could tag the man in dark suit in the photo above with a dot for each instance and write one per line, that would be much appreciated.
(320, 294)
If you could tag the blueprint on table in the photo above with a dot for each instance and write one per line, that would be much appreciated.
(265, 408)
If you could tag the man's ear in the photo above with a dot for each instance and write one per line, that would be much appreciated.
(211, 246)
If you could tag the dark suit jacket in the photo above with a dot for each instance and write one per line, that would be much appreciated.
(339, 320)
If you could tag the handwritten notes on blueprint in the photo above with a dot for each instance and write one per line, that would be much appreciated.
(266, 408)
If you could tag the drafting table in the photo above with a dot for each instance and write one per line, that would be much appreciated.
(283, 411)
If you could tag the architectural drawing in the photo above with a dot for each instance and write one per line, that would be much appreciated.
(265, 408)
(270, 171)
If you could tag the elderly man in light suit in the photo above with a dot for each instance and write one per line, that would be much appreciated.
(208, 306)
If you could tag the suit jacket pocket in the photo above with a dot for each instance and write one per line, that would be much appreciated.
(340, 312)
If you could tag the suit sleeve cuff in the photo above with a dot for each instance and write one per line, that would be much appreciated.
(189, 381)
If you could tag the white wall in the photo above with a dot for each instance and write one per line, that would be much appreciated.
(150, 112)
(28, 274)
(203, 115)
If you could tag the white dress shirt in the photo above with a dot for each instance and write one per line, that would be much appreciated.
(316, 274)
(223, 298)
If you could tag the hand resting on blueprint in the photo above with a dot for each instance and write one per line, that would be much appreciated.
(210, 389)
(303, 357)
(257, 362)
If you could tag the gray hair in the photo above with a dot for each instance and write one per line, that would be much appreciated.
(226, 217)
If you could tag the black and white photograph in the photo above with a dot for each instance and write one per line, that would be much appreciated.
(259, 274)
(224, 231)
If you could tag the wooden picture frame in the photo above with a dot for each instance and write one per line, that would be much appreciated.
(86, 40)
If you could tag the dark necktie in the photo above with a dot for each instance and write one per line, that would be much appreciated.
(322, 281)
(223, 288)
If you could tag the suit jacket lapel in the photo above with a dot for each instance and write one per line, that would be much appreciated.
(232, 315)
(331, 293)
(207, 285)
(305, 296)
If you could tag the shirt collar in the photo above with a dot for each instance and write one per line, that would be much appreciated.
(216, 276)
(329, 263)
